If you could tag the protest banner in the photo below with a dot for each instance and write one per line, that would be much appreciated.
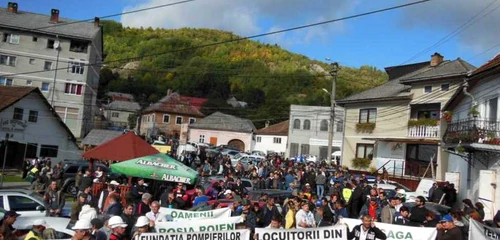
(203, 225)
(479, 231)
(397, 231)
(178, 215)
(323, 233)
(243, 234)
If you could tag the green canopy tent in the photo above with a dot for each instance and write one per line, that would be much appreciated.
(157, 167)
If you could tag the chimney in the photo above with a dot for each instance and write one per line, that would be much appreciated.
(12, 7)
(169, 91)
(54, 15)
(97, 22)
(267, 123)
(436, 59)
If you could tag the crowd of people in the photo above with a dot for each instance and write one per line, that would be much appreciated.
(319, 196)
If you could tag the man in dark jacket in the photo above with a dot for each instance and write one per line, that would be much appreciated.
(356, 200)
(142, 207)
(85, 181)
(366, 231)
(418, 213)
(437, 194)
(447, 229)
(115, 207)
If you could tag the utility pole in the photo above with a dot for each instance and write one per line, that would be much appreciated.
(6, 143)
(57, 47)
(333, 73)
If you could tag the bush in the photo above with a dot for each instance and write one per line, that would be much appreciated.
(365, 127)
(361, 163)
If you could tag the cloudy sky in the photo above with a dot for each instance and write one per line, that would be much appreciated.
(384, 39)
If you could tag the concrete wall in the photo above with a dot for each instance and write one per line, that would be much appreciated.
(28, 49)
(267, 143)
(314, 137)
(223, 137)
(47, 130)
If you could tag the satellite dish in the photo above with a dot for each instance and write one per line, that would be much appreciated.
(57, 44)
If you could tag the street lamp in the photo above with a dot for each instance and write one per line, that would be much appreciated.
(333, 73)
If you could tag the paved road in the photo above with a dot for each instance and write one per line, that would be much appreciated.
(13, 185)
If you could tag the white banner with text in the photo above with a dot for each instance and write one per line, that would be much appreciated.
(479, 231)
(397, 231)
(179, 215)
(243, 234)
(203, 225)
(323, 233)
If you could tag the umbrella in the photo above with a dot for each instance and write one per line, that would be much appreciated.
(157, 167)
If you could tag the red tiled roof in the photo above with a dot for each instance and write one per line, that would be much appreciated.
(280, 129)
(173, 104)
(495, 62)
(11, 94)
(121, 148)
(194, 101)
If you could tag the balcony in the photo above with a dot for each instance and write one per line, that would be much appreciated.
(473, 130)
(423, 128)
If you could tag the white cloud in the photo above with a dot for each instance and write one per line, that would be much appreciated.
(245, 17)
(447, 15)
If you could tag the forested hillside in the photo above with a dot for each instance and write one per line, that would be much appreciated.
(265, 76)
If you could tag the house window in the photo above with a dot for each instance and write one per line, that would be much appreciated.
(47, 66)
(430, 114)
(78, 46)
(178, 120)
(11, 38)
(304, 149)
(492, 109)
(8, 60)
(368, 115)
(427, 89)
(445, 87)
(307, 125)
(340, 125)
(277, 140)
(50, 43)
(115, 114)
(202, 139)
(76, 67)
(323, 125)
(48, 151)
(6, 81)
(18, 114)
(166, 118)
(35, 39)
(45, 87)
(259, 139)
(33, 117)
(73, 89)
(192, 120)
(296, 124)
(69, 116)
(294, 149)
(364, 151)
(29, 82)
(32, 61)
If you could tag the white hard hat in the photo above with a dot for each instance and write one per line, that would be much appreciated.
(82, 224)
(142, 221)
(228, 192)
(40, 222)
(401, 191)
(116, 221)
(115, 183)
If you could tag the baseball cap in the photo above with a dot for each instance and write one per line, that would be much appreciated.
(40, 222)
(11, 214)
(447, 218)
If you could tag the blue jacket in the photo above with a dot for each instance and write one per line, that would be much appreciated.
(115, 209)
(200, 199)
(342, 212)
(288, 179)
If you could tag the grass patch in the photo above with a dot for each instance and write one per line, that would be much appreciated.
(12, 178)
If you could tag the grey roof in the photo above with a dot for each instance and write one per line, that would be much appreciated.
(448, 68)
(99, 136)
(29, 21)
(123, 106)
(119, 94)
(224, 122)
(397, 89)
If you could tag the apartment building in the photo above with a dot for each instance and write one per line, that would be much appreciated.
(56, 55)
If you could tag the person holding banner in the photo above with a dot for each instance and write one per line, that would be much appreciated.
(366, 231)
(305, 218)
(447, 229)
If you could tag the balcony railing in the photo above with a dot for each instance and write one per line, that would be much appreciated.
(423, 131)
(473, 130)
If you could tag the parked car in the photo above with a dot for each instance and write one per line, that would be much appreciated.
(247, 183)
(62, 226)
(26, 203)
(162, 147)
(247, 159)
(311, 158)
(71, 168)
(229, 152)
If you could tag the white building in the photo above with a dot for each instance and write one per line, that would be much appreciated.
(223, 129)
(473, 159)
(308, 131)
(59, 57)
(272, 138)
(34, 129)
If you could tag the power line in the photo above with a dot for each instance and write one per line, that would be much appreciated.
(249, 37)
(116, 14)
(485, 51)
(455, 32)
